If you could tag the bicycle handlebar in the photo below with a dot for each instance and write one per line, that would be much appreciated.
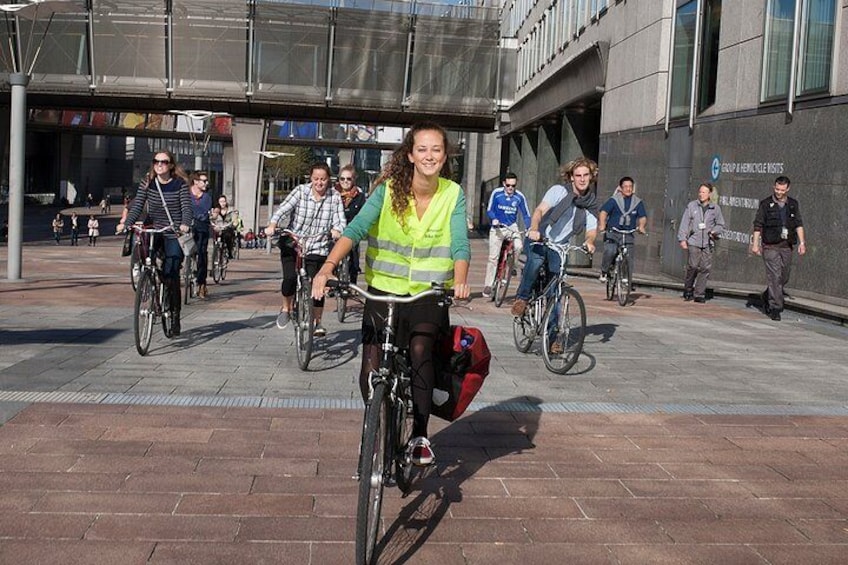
(625, 232)
(142, 229)
(437, 290)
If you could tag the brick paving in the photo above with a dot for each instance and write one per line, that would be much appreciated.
(598, 472)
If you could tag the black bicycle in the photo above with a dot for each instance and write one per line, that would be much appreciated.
(384, 458)
(618, 279)
(343, 274)
(190, 277)
(220, 259)
(152, 299)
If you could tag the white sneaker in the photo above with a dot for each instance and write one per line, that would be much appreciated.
(602, 278)
(487, 292)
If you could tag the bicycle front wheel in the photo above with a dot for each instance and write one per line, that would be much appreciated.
(564, 330)
(304, 326)
(167, 314)
(217, 258)
(622, 284)
(341, 296)
(502, 279)
(373, 454)
(145, 310)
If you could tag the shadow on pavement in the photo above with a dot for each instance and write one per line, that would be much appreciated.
(338, 348)
(59, 336)
(195, 336)
(462, 449)
(602, 331)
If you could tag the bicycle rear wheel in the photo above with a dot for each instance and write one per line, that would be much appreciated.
(524, 327)
(167, 310)
(373, 454)
(622, 283)
(304, 325)
(612, 277)
(135, 265)
(189, 279)
(403, 432)
(563, 331)
(341, 295)
(144, 312)
(502, 279)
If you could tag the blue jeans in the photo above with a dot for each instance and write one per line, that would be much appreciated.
(536, 253)
(173, 257)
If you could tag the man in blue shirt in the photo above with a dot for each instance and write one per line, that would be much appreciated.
(505, 204)
(565, 212)
(625, 211)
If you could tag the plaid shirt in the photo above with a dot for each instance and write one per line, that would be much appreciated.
(309, 216)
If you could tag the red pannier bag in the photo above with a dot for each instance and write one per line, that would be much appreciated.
(462, 366)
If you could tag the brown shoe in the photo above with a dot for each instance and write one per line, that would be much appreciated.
(518, 307)
(556, 348)
(202, 292)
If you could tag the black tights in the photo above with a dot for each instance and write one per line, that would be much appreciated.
(421, 344)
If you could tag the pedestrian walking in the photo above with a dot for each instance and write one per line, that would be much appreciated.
(74, 229)
(700, 228)
(778, 229)
(58, 224)
(93, 230)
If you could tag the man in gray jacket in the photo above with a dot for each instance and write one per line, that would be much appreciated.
(700, 227)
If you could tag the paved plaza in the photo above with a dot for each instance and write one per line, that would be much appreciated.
(686, 433)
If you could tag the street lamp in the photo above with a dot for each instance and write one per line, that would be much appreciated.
(22, 66)
(271, 180)
(204, 116)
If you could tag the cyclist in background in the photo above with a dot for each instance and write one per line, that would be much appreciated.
(165, 185)
(224, 221)
(353, 199)
(202, 205)
(505, 205)
(310, 208)
(625, 211)
(415, 224)
(566, 211)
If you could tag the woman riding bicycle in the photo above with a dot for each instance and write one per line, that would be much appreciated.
(311, 209)
(417, 235)
(165, 185)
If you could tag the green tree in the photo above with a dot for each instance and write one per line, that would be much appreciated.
(288, 168)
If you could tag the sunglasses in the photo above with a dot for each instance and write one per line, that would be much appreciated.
(161, 161)
(203, 180)
(345, 179)
(510, 185)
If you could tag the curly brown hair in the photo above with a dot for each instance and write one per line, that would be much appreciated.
(568, 168)
(399, 171)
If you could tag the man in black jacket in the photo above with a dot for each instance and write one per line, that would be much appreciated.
(777, 229)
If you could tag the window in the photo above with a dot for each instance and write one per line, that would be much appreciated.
(681, 65)
(683, 56)
(815, 56)
(709, 54)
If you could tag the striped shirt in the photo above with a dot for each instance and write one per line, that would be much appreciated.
(176, 196)
(309, 216)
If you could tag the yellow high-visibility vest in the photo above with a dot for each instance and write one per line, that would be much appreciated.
(408, 260)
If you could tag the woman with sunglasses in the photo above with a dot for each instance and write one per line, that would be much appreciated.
(165, 185)
(353, 199)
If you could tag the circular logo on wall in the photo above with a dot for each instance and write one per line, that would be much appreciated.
(715, 168)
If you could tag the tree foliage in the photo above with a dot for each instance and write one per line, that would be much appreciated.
(292, 166)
